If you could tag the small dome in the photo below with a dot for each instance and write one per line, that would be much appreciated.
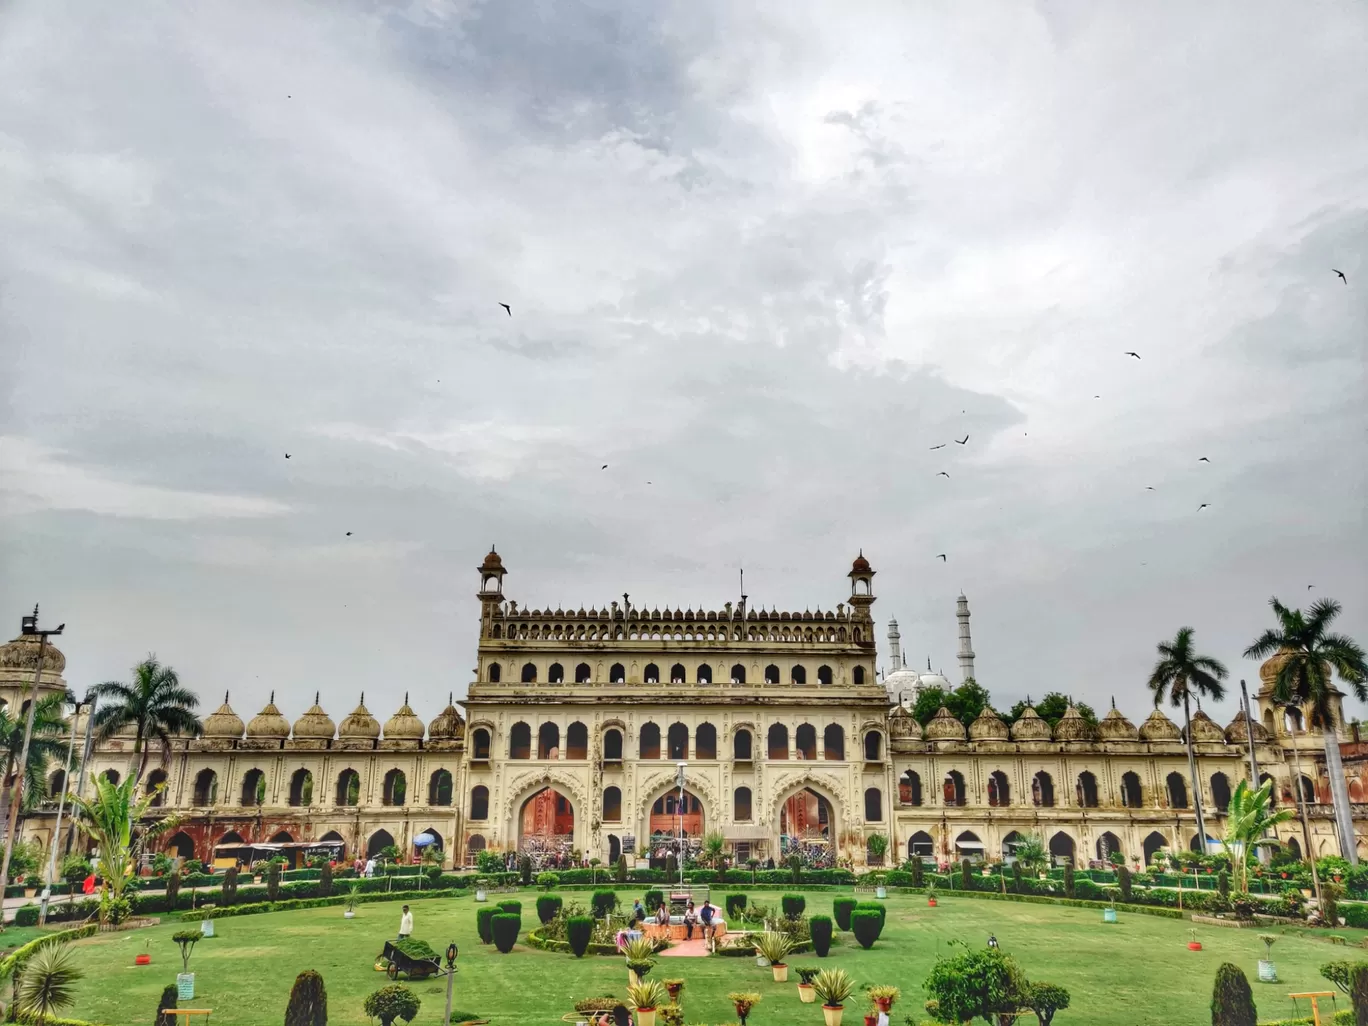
(1204, 728)
(861, 564)
(1272, 666)
(404, 725)
(22, 654)
(1029, 726)
(223, 722)
(269, 722)
(1238, 731)
(1115, 727)
(944, 727)
(314, 724)
(1073, 727)
(1158, 727)
(988, 726)
(359, 723)
(492, 561)
(902, 725)
(902, 683)
(449, 725)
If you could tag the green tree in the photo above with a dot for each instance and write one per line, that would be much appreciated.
(107, 816)
(964, 702)
(1232, 1002)
(47, 746)
(1250, 819)
(1030, 852)
(714, 846)
(155, 705)
(308, 1001)
(1179, 673)
(1045, 999)
(1312, 658)
(393, 1002)
(981, 983)
(1051, 709)
(46, 988)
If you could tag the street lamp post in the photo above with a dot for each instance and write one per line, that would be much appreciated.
(679, 779)
(57, 831)
(451, 978)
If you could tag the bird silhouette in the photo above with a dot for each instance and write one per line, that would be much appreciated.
(1309, 587)
(1341, 274)
(941, 557)
(604, 467)
(508, 308)
(287, 455)
(961, 441)
(1203, 506)
(942, 474)
(941, 446)
(348, 534)
(1149, 488)
(1136, 355)
(1203, 459)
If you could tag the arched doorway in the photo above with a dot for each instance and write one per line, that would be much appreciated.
(1009, 844)
(968, 846)
(1220, 791)
(181, 845)
(379, 841)
(921, 846)
(546, 827)
(614, 849)
(437, 847)
(1154, 843)
(671, 815)
(807, 829)
(1062, 847)
(1107, 845)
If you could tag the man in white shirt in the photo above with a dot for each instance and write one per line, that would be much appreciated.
(370, 867)
(405, 923)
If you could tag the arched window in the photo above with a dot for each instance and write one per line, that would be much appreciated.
(1153, 843)
(677, 737)
(475, 843)
(1107, 845)
(1042, 790)
(520, 741)
(857, 675)
(555, 674)
(612, 804)
(910, 788)
(798, 675)
(824, 676)
(529, 673)
(805, 742)
(582, 673)
(1086, 790)
(677, 673)
(379, 841)
(1308, 790)
(1177, 791)
(1062, 847)
(56, 783)
(206, 788)
(348, 787)
(952, 788)
(301, 788)
(577, 741)
(1293, 847)
(873, 746)
(155, 778)
(548, 741)
(1132, 794)
(652, 674)
(440, 788)
(182, 844)
(612, 745)
(920, 846)
(778, 742)
(741, 746)
(253, 788)
(1220, 791)
(479, 741)
(111, 775)
(833, 743)
(738, 674)
(873, 805)
(648, 744)
(771, 674)
(617, 674)
(479, 802)
(741, 805)
(1265, 778)
(705, 741)
(395, 789)
(494, 673)
(999, 790)
(704, 673)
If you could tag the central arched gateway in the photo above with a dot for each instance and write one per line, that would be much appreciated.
(674, 817)
(807, 828)
(546, 827)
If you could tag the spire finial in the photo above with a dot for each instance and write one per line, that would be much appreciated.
(225, 698)
(1113, 703)
(451, 698)
(406, 698)
(363, 698)
(316, 694)
(928, 664)
(272, 701)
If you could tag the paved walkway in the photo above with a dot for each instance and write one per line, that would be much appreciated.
(686, 949)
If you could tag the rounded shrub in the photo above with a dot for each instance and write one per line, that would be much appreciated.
(507, 926)
(548, 905)
(547, 881)
(26, 915)
(864, 923)
(736, 904)
(653, 900)
(513, 908)
(821, 927)
(483, 923)
(877, 907)
(168, 1000)
(325, 880)
(1123, 880)
(841, 909)
(1232, 1002)
(173, 883)
(1358, 993)
(793, 905)
(308, 1001)
(1069, 886)
(603, 902)
(578, 931)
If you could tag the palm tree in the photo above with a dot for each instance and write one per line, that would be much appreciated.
(155, 704)
(1305, 679)
(1179, 672)
(46, 987)
(1249, 826)
(47, 746)
(109, 817)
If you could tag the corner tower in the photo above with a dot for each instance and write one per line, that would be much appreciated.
(966, 648)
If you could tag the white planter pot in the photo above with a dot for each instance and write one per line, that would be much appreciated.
(480, 894)
(762, 961)
(185, 986)
(806, 994)
(349, 914)
(1268, 972)
(881, 891)
(780, 973)
(832, 1015)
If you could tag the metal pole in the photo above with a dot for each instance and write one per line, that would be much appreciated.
(1301, 805)
(1264, 853)
(85, 758)
(451, 978)
(57, 831)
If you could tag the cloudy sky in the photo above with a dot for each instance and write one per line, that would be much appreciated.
(761, 257)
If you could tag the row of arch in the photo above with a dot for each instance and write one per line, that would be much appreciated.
(674, 632)
(676, 742)
(611, 804)
(1086, 794)
(1061, 845)
(347, 791)
(184, 845)
(703, 674)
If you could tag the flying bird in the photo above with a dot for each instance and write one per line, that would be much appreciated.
(508, 308)
(287, 455)
(348, 534)
(1309, 587)
(1341, 274)
(1136, 355)
(1203, 506)
(941, 557)
(1203, 459)
(961, 441)
(604, 467)
(942, 474)
(1149, 488)
(941, 446)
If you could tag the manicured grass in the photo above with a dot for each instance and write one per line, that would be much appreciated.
(1136, 972)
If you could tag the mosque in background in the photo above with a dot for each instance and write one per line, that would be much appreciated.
(570, 742)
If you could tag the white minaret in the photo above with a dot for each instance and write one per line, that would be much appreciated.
(894, 646)
(966, 648)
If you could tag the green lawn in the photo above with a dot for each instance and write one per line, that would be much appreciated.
(1138, 971)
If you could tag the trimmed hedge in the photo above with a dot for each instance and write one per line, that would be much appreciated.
(653, 899)
(866, 924)
(603, 902)
(841, 909)
(484, 923)
(20, 954)
(506, 926)
(225, 912)
(793, 905)
(548, 905)
(26, 915)
(736, 905)
(512, 907)
(536, 939)
(821, 928)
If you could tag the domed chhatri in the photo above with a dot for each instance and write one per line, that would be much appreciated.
(359, 723)
(1205, 729)
(1030, 726)
(1073, 727)
(1272, 666)
(314, 724)
(449, 724)
(988, 726)
(1158, 727)
(1115, 727)
(492, 561)
(902, 725)
(1238, 731)
(860, 564)
(944, 727)
(223, 723)
(404, 725)
(269, 723)
(22, 654)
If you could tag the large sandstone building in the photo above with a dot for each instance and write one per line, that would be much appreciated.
(791, 741)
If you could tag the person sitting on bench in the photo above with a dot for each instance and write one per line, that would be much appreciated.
(706, 915)
(662, 915)
(690, 918)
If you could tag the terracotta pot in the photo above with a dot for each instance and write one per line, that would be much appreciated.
(832, 1014)
(143, 960)
(645, 1017)
(806, 994)
(931, 902)
(780, 971)
(885, 1004)
(674, 992)
(871, 1020)
(1194, 945)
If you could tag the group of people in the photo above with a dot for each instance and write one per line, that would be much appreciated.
(700, 917)
(364, 866)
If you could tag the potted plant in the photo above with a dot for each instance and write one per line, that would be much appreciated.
(350, 911)
(834, 987)
(637, 970)
(774, 948)
(481, 885)
(645, 998)
(931, 896)
(872, 1016)
(675, 987)
(1194, 944)
(883, 997)
(744, 1002)
(806, 975)
(1268, 972)
(185, 979)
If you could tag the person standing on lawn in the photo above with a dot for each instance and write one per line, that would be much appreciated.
(405, 923)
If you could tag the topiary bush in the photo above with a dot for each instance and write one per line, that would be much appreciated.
(579, 930)
(736, 905)
(484, 923)
(548, 881)
(620, 869)
(877, 907)
(506, 926)
(918, 873)
(548, 907)
(1358, 993)
(603, 902)
(1232, 1002)
(793, 905)
(1016, 877)
(1069, 888)
(308, 1001)
(1123, 880)
(525, 870)
(821, 927)
(325, 880)
(1222, 884)
(393, 1002)
(228, 891)
(173, 883)
(966, 875)
(168, 1000)
(865, 924)
(513, 908)
(653, 899)
(273, 882)
(841, 909)
(26, 915)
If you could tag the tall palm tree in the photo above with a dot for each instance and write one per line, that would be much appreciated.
(1249, 825)
(112, 818)
(1306, 679)
(1179, 673)
(156, 706)
(47, 746)
(45, 989)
